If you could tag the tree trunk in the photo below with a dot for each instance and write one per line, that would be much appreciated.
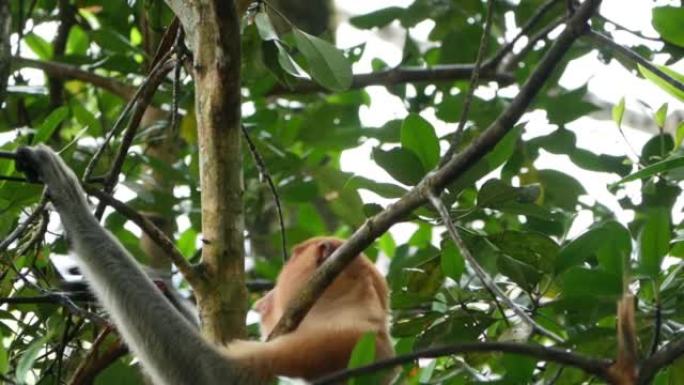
(213, 33)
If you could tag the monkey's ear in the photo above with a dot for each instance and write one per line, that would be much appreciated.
(325, 248)
(264, 304)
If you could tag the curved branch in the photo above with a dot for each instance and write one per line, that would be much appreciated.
(437, 180)
(401, 75)
(651, 366)
(594, 366)
(68, 71)
(634, 57)
(146, 225)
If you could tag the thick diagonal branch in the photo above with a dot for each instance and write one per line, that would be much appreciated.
(436, 181)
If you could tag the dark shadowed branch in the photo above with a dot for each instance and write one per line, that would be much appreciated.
(650, 367)
(437, 180)
(146, 225)
(634, 57)
(68, 71)
(401, 75)
(594, 366)
(474, 78)
(263, 173)
(155, 78)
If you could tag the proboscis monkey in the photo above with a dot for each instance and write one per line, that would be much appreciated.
(170, 347)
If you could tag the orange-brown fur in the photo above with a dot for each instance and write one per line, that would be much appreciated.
(355, 303)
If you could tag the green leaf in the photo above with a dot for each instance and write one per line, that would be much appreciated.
(120, 373)
(668, 22)
(679, 135)
(418, 135)
(452, 262)
(41, 47)
(531, 248)
(401, 164)
(50, 124)
(264, 27)
(327, 64)
(379, 18)
(78, 41)
(28, 358)
(495, 193)
(594, 283)
(4, 359)
(660, 82)
(661, 115)
(85, 117)
(523, 274)
(385, 190)
(495, 158)
(619, 111)
(655, 168)
(654, 240)
(581, 248)
(187, 242)
(363, 354)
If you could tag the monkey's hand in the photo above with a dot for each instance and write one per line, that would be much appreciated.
(40, 163)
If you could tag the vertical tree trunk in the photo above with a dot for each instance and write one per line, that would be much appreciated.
(213, 31)
(5, 48)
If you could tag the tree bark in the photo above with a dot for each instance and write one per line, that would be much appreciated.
(213, 33)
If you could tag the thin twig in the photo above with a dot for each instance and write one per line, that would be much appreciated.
(176, 81)
(652, 365)
(263, 172)
(17, 179)
(633, 32)
(153, 81)
(401, 75)
(20, 229)
(481, 273)
(146, 225)
(510, 63)
(68, 71)
(657, 326)
(8, 155)
(524, 30)
(382, 221)
(474, 78)
(634, 57)
(595, 366)
(149, 82)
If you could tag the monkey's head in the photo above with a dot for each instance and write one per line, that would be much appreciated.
(359, 278)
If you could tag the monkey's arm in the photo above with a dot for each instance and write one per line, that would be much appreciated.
(305, 354)
(168, 345)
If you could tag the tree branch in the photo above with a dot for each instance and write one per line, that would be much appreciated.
(401, 75)
(68, 71)
(468, 99)
(146, 225)
(524, 30)
(436, 181)
(652, 365)
(148, 89)
(634, 57)
(264, 174)
(594, 366)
